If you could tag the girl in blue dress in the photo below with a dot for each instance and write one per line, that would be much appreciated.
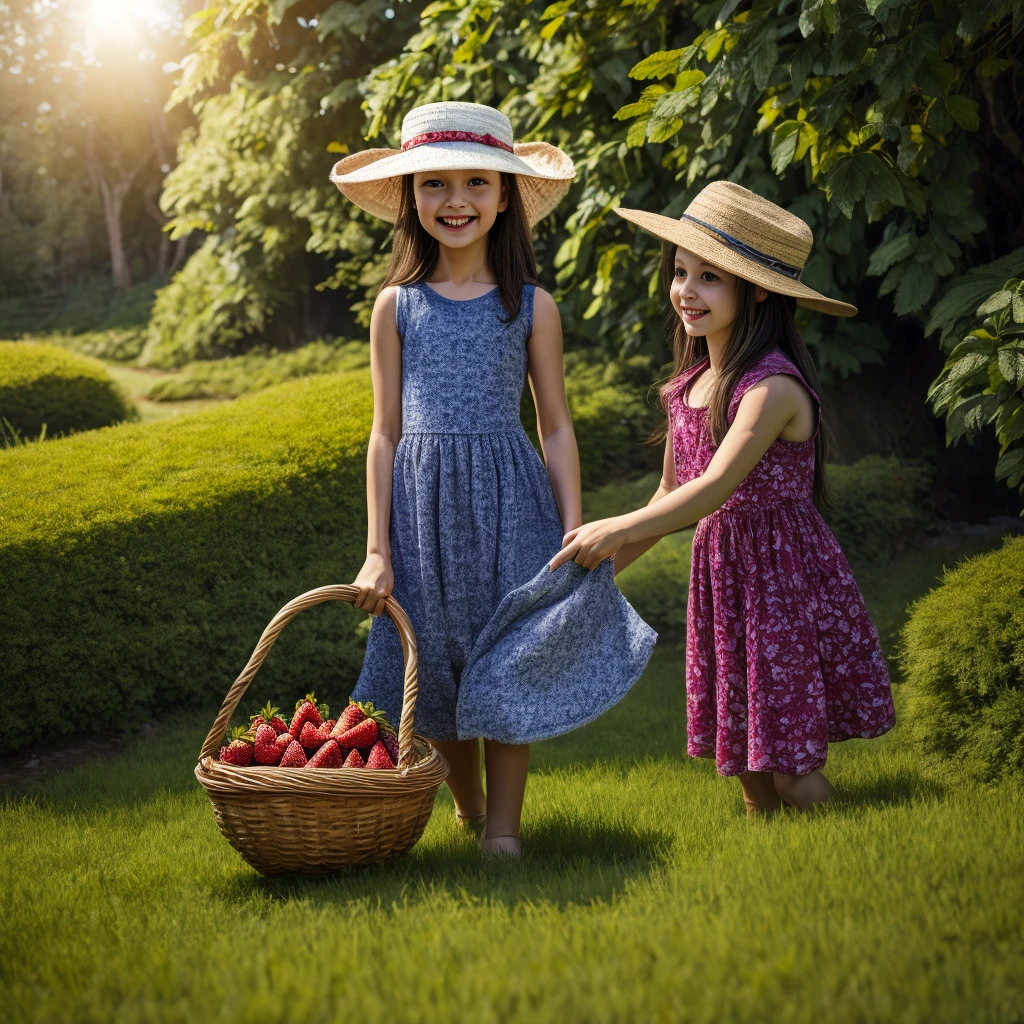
(462, 514)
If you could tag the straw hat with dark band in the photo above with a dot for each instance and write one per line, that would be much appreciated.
(738, 231)
(455, 137)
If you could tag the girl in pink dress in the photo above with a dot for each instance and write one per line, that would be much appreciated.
(782, 657)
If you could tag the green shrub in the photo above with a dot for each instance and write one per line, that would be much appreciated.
(878, 508)
(255, 371)
(141, 563)
(963, 661)
(120, 344)
(44, 385)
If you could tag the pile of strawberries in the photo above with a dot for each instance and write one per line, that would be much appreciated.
(361, 738)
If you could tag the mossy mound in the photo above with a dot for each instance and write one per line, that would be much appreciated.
(46, 386)
(963, 661)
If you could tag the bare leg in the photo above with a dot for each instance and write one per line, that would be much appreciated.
(759, 793)
(507, 766)
(464, 779)
(804, 791)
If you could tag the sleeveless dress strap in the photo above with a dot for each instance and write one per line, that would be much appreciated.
(401, 301)
(526, 306)
(773, 363)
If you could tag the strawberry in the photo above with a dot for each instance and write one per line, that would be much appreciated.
(362, 735)
(269, 716)
(307, 710)
(294, 756)
(238, 750)
(379, 757)
(391, 745)
(314, 737)
(266, 747)
(354, 760)
(352, 715)
(328, 756)
(356, 713)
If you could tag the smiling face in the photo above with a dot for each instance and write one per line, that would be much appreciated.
(459, 207)
(705, 297)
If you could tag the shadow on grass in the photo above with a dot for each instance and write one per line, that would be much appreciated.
(888, 790)
(567, 860)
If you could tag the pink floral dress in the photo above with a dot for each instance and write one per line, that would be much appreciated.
(782, 657)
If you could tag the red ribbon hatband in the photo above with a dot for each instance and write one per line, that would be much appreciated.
(428, 137)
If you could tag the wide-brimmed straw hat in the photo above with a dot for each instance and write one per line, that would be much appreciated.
(737, 230)
(455, 137)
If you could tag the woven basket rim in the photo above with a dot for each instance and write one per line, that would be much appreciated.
(428, 771)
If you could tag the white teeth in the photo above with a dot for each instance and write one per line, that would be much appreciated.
(456, 222)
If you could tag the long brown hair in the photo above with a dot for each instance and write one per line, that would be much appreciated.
(510, 254)
(759, 328)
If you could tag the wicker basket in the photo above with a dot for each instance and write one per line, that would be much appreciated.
(318, 820)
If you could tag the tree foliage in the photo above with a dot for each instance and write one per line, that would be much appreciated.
(982, 383)
(275, 87)
(892, 127)
(84, 147)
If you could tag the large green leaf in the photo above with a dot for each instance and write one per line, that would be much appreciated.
(657, 65)
(894, 251)
(915, 289)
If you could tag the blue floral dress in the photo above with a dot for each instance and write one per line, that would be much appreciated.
(507, 649)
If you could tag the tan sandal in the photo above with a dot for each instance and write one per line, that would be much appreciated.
(501, 848)
(475, 823)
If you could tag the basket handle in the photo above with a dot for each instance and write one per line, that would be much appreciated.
(337, 592)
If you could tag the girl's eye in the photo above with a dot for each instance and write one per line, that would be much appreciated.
(478, 181)
(708, 276)
(433, 183)
(680, 272)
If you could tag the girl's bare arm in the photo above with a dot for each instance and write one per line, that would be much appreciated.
(554, 425)
(763, 414)
(629, 553)
(375, 579)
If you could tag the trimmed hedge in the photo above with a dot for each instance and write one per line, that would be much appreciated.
(141, 563)
(963, 662)
(43, 384)
(878, 507)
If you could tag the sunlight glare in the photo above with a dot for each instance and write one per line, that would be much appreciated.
(118, 19)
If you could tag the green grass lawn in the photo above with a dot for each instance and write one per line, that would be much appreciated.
(645, 895)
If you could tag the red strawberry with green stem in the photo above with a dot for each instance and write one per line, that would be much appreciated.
(269, 716)
(379, 757)
(352, 715)
(314, 737)
(354, 760)
(294, 756)
(362, 735)
(307, 710)
(328, 756)
(238, 750)
(266, 747)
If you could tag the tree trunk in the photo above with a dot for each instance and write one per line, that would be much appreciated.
(113, 196)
